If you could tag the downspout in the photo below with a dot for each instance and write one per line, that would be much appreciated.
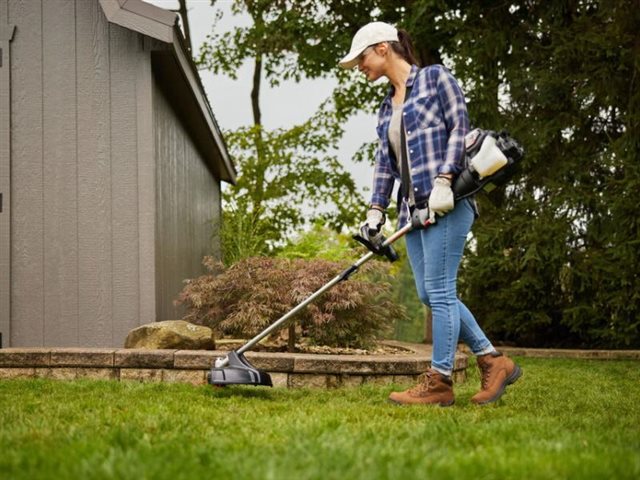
(6, 35)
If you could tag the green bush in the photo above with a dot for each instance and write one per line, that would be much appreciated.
(242, 300)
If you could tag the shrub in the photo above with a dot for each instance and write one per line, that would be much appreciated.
(322, 242)
(245, 298)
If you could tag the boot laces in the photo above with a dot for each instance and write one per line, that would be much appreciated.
(486, 375)
(424, 384)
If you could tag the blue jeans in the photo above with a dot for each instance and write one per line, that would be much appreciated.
(435, 254)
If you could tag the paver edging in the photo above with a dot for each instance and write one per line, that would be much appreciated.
(571, 353)
(286, 369)
(191, 366)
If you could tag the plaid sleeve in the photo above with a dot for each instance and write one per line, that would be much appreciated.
(456, 119)
(382, 179)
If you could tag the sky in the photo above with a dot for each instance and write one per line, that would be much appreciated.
(282, 107)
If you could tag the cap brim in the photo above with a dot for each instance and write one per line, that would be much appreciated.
(351, 59)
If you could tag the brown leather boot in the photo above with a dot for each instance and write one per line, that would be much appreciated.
(434, 389)
(496, 372)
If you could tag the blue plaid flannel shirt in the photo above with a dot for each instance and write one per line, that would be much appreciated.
(436, 122)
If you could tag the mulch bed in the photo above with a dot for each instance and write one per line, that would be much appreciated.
(378, 349)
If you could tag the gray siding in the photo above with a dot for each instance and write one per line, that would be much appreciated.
(27, 204)
(111, 203)
(188, 206)
(60, 169)
(82, 187)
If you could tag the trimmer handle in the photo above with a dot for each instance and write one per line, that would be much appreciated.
(382, 250)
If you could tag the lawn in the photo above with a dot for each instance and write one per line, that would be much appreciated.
(563, 419)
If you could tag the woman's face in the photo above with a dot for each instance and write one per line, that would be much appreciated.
(371, 61)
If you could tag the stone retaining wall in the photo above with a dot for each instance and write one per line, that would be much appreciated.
(571, 353)
(191, 366)
(286, 370)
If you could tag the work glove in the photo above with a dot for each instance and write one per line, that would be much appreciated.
(441, 198)
(371, 228)
(420, 218)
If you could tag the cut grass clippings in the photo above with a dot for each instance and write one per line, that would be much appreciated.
(563, 419)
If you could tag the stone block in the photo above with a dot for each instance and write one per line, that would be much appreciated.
(194, 377)
(350, 381)
(196, 359)
(396, 366)
(460, 362)
(141, 374)
(82, 357)
(356, 364)
(406, 380)
(98, 373)
(311, 363)
(334, 381)
(271, 362)
(459, 376)
(25, 357)
(379, 379)
(423, 364)
(307, 380)
(141, 358)
(568, 353)
(62, 373)
(7, 373)
(279, 380)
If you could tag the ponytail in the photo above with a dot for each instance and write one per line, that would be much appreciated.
(404, 47)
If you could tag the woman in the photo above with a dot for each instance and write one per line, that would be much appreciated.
(425, 114)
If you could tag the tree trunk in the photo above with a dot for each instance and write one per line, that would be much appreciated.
(257, 121)
(255, 92)
(292, 339)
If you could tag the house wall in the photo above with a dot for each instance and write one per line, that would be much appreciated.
(82, 176)
(111, 204)
(188, 205)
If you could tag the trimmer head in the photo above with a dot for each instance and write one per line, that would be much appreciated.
(238, 371)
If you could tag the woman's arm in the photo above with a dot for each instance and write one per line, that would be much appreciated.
(382, 180)
(456, 120)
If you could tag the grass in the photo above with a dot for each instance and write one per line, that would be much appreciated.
(563, 419)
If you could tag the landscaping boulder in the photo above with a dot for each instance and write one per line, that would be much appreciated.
(171, 334)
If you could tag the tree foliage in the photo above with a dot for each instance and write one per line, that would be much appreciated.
(554, 260)
(288, 178)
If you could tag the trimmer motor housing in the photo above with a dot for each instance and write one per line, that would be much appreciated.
(502, 145)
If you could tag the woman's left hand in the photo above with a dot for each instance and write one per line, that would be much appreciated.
(441, 198)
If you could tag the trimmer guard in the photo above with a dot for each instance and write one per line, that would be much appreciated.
(238, 372)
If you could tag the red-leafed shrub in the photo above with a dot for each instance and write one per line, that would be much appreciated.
(242, 300)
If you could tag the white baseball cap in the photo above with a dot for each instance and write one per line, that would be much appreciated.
(371, 34)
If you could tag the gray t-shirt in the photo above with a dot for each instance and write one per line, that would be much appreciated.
(395, 141)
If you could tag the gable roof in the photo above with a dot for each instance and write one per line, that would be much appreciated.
(155, 22)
